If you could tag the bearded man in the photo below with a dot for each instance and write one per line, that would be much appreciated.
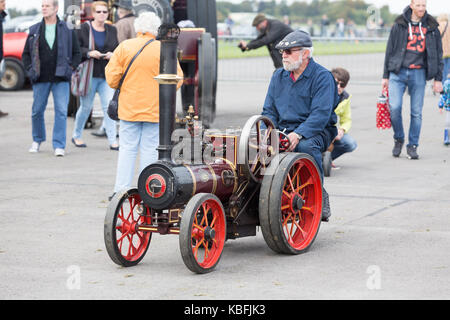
(301, 100)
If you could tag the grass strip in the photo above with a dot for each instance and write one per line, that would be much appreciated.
(229, 49)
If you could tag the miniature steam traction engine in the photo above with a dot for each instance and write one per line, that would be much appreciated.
(242, 181)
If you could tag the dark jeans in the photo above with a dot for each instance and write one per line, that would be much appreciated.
(314, 146)
(346, 144)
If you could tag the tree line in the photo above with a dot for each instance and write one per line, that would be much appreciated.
(301, 11)
(13, 12)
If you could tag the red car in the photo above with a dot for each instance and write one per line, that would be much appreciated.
(15, 76)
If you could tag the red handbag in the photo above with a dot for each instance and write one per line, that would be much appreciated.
(383, 113)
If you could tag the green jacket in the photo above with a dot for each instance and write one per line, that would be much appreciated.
(344, 112)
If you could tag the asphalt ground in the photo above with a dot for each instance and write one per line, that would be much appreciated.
(388, 237)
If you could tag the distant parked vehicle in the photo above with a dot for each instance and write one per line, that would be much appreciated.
(20, 24)
(15, 32)
(14, 76)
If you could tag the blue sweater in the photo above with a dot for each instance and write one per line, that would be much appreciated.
(305, 106)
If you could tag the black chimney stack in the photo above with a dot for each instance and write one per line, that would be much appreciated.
(167, 79)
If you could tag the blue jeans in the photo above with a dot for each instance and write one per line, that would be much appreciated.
(87, 102)
(446, 70)
(41, 92)
(142, 137)
(314, 146)
(346, 144)
(415, 80)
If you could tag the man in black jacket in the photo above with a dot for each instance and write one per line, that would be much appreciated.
(271, 32)
(51, 53)
(413, 56)
(2, 17)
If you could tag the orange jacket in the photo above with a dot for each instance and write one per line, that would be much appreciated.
(139, 94)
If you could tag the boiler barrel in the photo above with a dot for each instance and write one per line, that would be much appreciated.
(163, 185)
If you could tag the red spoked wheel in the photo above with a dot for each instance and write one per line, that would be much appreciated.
(202, 233)
(293, 206)
(125, 245)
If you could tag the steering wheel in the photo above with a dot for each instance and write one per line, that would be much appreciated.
(284, 141)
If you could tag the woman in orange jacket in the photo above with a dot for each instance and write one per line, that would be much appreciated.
(138, 99)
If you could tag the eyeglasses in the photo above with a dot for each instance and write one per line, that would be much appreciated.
(339, 83)
(105, 12)
(289, 51)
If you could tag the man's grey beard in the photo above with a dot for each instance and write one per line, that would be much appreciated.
(292, 66)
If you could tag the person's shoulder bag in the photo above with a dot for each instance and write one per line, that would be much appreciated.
(113, 107)
(81, 78)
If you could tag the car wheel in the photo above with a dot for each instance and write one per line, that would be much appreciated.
(13, 78)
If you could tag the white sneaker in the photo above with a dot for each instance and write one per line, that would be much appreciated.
(59, 152)
(34, 147)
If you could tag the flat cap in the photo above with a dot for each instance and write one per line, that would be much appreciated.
(125, 4)
(297, 38)
(260, 17)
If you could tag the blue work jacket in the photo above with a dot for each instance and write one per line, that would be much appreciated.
(305, 106)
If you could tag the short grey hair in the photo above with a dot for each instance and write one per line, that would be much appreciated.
(147, 22)
(310, 49)
(55, 3)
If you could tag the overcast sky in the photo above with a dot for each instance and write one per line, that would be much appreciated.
(435, 7)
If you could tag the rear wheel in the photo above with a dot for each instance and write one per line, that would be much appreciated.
(206, 79)
(293, 205)
(161, 8)
(264, 192)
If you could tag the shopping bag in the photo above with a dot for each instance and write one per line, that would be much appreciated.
(81, 78)
(383, 118)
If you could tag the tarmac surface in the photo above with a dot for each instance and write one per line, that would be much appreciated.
(388, 237)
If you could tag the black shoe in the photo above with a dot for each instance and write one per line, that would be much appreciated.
(81, 145)
(398, 145)
(114, 148)
(3, 114)
(412, 152)
(111, 196)
(326, 210)
(99, 133)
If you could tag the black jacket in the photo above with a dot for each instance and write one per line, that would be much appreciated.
(275, 32)
(398, 38)
(2, 17)
(110, 44)
(50, 65)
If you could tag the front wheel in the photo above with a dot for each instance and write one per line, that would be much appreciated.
(125, 245)
(202, 233)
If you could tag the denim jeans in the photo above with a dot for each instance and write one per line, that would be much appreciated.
(314, 146)
(346, 144)
(415, 80)
(142, 137)
(41, 92)
(87, 102)
(446, 70)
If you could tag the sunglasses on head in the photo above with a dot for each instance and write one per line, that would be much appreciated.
(289, 51)
(101, 12)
